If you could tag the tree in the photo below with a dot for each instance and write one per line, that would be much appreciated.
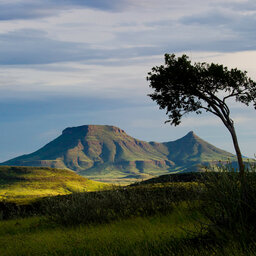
(181, 87)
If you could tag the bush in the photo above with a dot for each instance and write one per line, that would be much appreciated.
(105, 206)
(229, 203)
(9, 210)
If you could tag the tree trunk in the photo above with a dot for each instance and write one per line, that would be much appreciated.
(237, 149)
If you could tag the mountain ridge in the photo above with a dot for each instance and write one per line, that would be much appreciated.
(105, 152)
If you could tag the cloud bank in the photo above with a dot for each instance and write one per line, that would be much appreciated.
(58, 58)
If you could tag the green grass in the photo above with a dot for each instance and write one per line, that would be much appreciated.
(176, 233)
(135, 236)
(213, 215)
(23, 184)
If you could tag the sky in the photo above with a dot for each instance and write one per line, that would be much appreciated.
(66, 63)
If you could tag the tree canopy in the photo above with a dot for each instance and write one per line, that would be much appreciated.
(181, 87)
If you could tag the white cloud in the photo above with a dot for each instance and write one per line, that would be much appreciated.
(243, 60)
(109, 78)
(107, 51)
(201, 121)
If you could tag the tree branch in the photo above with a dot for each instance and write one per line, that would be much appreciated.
(209, 110)
(234, 94)
(218, 111)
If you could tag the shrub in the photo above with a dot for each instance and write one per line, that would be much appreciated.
(229, 203)
(104, 206)
(9, 210)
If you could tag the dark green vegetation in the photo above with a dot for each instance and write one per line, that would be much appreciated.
(154, 235)
(117, 203)
(229, 203)
(20, 184)
(107, 153)
(212, 214)
(181, 87)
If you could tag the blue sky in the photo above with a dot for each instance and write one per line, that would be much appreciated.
(73, 62)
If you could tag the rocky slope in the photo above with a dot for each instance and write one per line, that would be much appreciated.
(107, 153)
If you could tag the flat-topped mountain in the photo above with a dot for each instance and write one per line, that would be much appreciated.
(107, 153)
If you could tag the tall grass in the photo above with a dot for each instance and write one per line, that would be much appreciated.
(155, 235)
(141, 220)
(118, 203)
(229, 204)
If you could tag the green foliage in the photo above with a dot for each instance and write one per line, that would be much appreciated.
(118, 203)
(155, 235)
(229, 203)
(178, 218)
(181, 87)
(178, 178)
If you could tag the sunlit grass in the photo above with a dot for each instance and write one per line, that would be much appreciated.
(135, 236)
(23, 184)
(206, 216)
(173, 234)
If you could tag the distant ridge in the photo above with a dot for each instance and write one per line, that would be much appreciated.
(107, 153)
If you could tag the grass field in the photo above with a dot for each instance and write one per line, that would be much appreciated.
(211, 216)
(134, 236)
(24, 184)
(177, 233)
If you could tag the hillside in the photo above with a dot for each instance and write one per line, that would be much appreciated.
(27, 183)
(107, 153)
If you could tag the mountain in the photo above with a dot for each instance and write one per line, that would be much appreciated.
(27, 183)
(107, 153)
(192, 149)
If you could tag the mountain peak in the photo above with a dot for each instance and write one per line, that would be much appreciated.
(190, 137)
(92, 128)
(70, 130)
(190, 134)
(105, 151)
